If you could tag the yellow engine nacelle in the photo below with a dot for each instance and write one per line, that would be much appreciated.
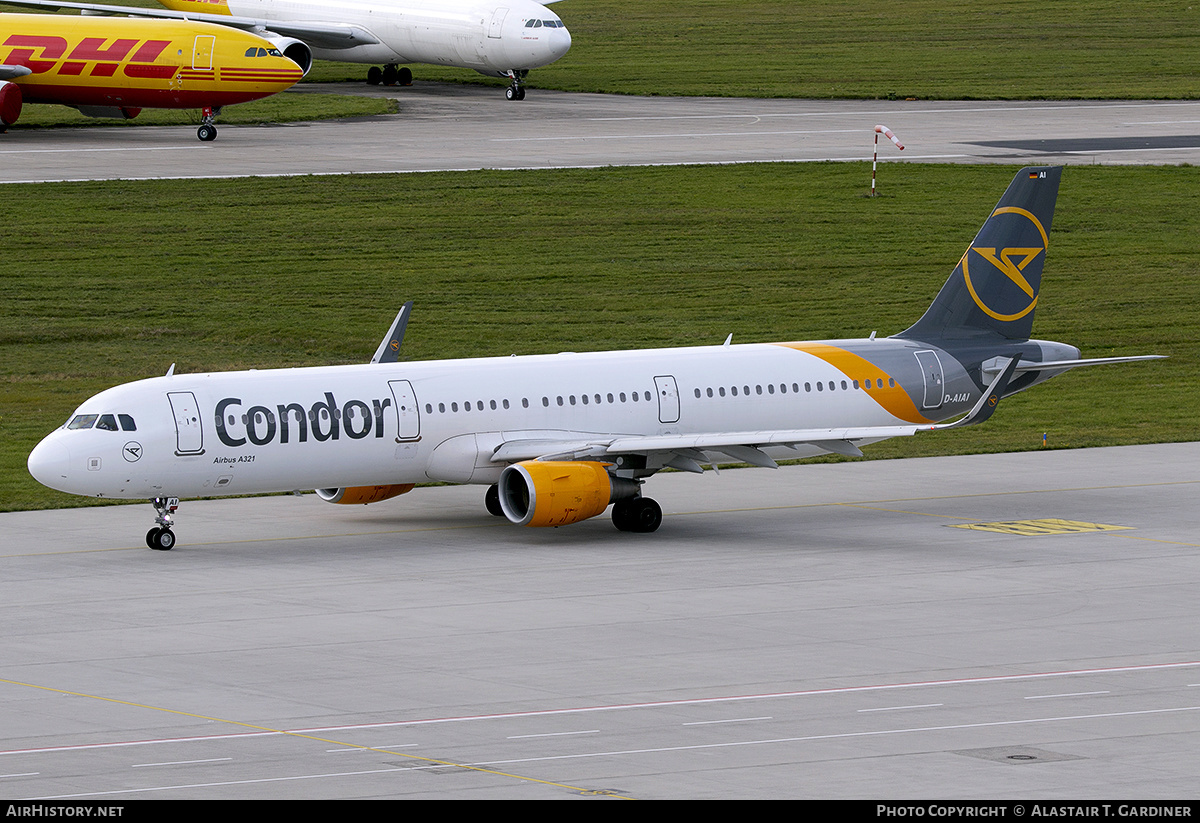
(554, 493)
(363, 494)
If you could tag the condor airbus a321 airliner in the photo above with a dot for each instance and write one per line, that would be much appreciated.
(558, 438)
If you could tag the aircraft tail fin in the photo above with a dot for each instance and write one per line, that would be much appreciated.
(994, 289)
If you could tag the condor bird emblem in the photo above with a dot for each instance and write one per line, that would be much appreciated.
(1019, 299)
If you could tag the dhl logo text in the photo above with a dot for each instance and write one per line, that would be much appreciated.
(42, 53)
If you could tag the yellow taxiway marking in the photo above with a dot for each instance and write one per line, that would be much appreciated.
(1029, 528)
(431, 760)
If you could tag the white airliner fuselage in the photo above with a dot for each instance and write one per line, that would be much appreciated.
(349, 426)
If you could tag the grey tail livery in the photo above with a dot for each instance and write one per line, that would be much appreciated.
(983, 316)
(994, 289)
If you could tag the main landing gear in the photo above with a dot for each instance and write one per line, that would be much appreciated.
(208, 127)
(637, 514)
(389, 75)
(161, 538)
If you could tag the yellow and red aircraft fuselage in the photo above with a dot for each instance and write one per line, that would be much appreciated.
(126, 64)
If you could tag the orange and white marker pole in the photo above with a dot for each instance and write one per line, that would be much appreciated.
(875, 159)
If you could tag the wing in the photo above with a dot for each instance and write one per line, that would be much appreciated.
(13, 72)
(325, 35)
(687, 452)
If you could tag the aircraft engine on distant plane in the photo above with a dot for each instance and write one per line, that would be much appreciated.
(10, 103)
(295, 50)
(555, 493)
(363, 494)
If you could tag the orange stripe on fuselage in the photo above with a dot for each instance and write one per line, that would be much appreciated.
(894, 399)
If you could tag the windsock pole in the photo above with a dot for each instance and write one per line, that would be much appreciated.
(875, 159)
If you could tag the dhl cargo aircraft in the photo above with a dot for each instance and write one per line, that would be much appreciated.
(558, 438)
(498, 38)
(115, 67)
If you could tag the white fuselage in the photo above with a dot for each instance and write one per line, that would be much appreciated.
(278, 430)
(490, 37)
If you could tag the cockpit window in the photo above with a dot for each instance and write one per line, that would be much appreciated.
(553, 24)
(82, 421)
(107, 422)
(261, 52)
(127, 424)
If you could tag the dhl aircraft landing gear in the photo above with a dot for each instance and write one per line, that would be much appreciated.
(390, 75)
(516, 88)
(208, 128)
(161, 538)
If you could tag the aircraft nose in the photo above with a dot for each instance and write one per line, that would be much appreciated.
(49, 463)
(560, 43)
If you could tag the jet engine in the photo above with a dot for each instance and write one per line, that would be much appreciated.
(363, 494)
(553, 493)
(295, 50)
(10, 103)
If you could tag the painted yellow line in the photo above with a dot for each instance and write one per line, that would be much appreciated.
(1037, 528)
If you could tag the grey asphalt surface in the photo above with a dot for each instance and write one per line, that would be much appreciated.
(824, 630)
(448, 127)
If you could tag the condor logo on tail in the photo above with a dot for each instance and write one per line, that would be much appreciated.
(1008, 304)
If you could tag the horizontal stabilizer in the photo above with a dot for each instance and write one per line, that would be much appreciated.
(994, 366)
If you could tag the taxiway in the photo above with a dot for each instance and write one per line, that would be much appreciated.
(446, 127)
(824, 630)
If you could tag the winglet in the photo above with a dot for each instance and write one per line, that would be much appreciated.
(989, 401)
(389, 347)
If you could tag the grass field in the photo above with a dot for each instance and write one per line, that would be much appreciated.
(1004, 49)
(109, 282)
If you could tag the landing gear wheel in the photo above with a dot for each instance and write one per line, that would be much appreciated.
(374, 76)
(162, 540)
(208, 124)
(492, 501)
(404, 76)
(641, 514)
(389, 75)
(516, 88)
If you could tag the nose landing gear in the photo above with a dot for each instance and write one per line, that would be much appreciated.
(161, 538)
(516, 88)
(208, 128)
